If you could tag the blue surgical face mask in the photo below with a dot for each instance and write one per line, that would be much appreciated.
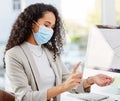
(43, 35)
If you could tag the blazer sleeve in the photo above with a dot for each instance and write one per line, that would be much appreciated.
(19, 81)
(65, 75)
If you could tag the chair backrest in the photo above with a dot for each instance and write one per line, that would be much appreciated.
(5, 96)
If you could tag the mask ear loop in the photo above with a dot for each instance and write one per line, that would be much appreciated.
(36, 23)
(32, 28)
(33, 32)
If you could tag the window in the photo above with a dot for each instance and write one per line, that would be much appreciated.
(117, 4)
(16, 5)
(78, 16)
(2, 47)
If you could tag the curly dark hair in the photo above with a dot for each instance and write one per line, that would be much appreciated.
(22, 28)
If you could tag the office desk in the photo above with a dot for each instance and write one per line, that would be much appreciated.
(66, 97)
(96, 89)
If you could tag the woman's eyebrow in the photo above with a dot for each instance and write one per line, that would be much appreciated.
(50, 23)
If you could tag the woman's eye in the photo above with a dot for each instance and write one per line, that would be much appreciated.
(46, 26)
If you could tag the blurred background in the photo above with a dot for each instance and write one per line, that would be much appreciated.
(77, 16)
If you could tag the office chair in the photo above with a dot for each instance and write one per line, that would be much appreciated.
(5, 96)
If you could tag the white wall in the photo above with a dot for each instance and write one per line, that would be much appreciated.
(7, 17)
(56, 3)
(108, 12)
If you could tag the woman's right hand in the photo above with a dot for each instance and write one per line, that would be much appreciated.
(74, 79)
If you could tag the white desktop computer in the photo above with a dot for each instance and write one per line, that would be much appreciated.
(103, 54)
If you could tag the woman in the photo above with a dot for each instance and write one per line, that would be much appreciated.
(32, 58)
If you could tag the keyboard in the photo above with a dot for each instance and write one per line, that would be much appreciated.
(90, 96)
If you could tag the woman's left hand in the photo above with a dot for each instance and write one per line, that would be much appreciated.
(102, 80)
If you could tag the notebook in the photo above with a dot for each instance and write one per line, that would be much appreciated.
(90, 96)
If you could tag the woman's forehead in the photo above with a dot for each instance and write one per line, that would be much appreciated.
(48, 17)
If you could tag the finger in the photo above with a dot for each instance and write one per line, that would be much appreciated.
(75, 68)
(77, 75)
(113, 79)
(103, 83)
(108, 77)
(78, 80)
(110, 81)
(76, 84)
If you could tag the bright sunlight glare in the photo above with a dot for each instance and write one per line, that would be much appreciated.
(77, 10)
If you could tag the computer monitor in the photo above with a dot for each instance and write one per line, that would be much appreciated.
(103, 51)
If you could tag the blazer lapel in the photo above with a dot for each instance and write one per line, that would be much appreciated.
(32, 64)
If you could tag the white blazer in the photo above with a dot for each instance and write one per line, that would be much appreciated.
(24, 76)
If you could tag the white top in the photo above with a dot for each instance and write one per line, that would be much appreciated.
(47, 76)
